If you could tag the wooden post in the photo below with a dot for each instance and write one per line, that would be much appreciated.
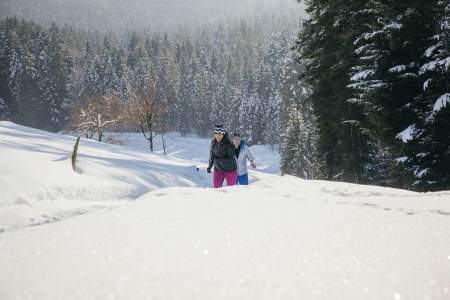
(74, 154)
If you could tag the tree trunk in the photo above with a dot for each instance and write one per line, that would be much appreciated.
(150, 140)
(150, 130)
(100, 135)
(163, 143)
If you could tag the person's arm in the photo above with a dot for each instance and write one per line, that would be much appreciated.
(250, 157)
(211, 158)
(230, 151)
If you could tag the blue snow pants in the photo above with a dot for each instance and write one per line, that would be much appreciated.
(242, 180)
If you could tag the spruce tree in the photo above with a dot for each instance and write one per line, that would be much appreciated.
(89, 75)
(429, 149)
(325, 46)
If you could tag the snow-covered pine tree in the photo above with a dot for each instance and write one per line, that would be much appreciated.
(186, 89)
(233, 94)
(298, 138)
(23, 75)
(168, 74)
(201, 105)
(135, 52)
(46, 85)
(7, 102)
(429, 149)
(265, 91)
(247, 115)
(121, 83)
(394, 98)
(37, 67)
(142, 74)
(55, 92)
(325, 47)
(217, 93)
(371, 80)
(236, 104)
(294, 159)
(105, 68)
(247, 98)
(89, 76)
(3, 109)
(272, 116)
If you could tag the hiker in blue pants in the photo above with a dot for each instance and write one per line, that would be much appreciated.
(243, 154)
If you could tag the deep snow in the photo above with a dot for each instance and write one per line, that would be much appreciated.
(279, 238)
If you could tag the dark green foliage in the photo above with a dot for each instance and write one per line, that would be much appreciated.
(379, 72)
(35, 73)
(429, 149)
(325, 46)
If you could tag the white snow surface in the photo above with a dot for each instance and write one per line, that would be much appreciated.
(279, 238)
(38, 185)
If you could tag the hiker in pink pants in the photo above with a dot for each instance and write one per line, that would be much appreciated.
(223, 158)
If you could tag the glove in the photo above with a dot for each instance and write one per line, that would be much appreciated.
(208, 170)
(254, 164)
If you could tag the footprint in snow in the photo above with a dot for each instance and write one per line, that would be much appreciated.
(160, 194)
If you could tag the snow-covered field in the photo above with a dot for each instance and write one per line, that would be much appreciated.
(38, 185)
(279, 238)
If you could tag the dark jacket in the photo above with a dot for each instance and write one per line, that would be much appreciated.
(222, 155)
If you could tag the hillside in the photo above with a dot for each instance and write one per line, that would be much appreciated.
(38, 185)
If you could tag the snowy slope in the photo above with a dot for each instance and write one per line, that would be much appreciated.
(279, 238)
(38, 185)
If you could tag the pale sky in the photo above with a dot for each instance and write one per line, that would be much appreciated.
(143, 14)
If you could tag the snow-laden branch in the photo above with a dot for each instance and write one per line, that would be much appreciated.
(441, 102)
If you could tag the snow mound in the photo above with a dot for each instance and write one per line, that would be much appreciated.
(38, 184)
(280, 238)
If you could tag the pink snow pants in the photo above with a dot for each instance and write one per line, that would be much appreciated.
(219, 177)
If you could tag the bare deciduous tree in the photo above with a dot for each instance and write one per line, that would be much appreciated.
(143, 110)
(95, 114)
